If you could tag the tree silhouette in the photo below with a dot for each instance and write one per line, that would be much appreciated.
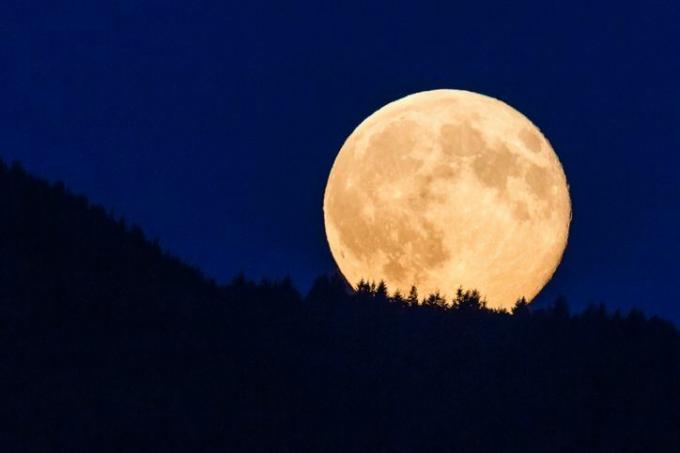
(325, 289)
(560, 308)
(435, 300)
(412, 298)
(398, 298)
(469, 301)
(381, 293)
(521, 307)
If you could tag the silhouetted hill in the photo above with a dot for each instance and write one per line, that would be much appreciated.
(58, 247)
(109, 344)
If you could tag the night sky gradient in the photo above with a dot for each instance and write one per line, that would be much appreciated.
(214, 125)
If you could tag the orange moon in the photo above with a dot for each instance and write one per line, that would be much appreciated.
(445, 189)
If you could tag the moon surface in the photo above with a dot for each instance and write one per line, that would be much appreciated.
(445, 189)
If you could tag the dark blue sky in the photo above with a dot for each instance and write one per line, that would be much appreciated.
(214, 124)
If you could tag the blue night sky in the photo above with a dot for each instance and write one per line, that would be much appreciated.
(214, 124)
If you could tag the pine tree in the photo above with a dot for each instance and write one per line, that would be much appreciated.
(521, 307)
(412, 298)
(380, 294)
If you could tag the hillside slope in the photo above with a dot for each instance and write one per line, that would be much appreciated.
(107, 343)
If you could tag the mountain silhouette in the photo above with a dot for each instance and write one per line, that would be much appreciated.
(108, 343)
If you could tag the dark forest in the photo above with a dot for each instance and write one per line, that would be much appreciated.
(109, 343)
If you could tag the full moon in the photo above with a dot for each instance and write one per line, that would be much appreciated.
(445, 189)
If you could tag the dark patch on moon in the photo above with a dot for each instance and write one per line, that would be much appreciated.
(539, 180)
(531, 140)
(395, 271)
(521, 212)
(461, 140)
(495, 166)
(429, 243)
(389, 153)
